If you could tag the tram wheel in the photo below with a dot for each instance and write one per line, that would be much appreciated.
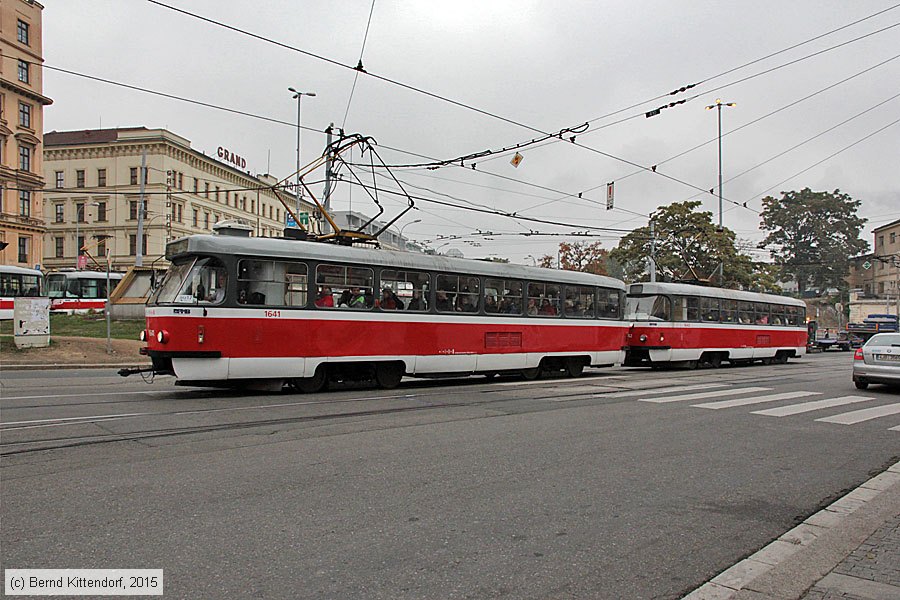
(574, 367)
(767, 361)
(531, 374)
(311, 385)
(388, 375)
(780, 358)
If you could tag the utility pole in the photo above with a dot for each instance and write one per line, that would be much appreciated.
(652, 252)
(139, 243)
(328, 175)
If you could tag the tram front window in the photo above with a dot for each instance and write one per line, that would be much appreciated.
(648, 308)
(193, 281)
(56, 286)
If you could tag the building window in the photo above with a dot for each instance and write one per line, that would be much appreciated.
(25, 115)
(79, 178)
(79, 212)
(180, 209)
(101, 248)
(893, 237)
(880, 241)
(133, 174)
(24, 157)
(205, 220)
(25, 203)
(217, 193)
(196, 185)
(180, 180)
(23, 71)
(133, 210)
(101, 211)
(132, 245)
(253, 206)
(60, 247)
(101, 177)
(206, 190)
(196, 219)
(24, 243)
(60, 213)
(22, 31)
(60, 179)
(243, 202)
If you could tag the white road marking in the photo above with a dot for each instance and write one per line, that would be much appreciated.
(897, 428)
(698, 396)
(755, 400)
(665, 390)
(858, 416)
(795, 409)
(82, 395)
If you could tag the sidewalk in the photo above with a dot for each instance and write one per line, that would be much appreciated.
(849, 550)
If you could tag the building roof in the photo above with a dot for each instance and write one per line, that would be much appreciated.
(85, 136)
(891, 224)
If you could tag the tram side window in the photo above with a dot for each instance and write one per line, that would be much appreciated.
(729, 312)
(295, 282)
(543, 299)
(795, 316)
(693, 308)
(503, 296)
(709, 309)
(404, 290)
(762, 313)
(348, 287)
(745, 312)
(778, 314)
(454, 293)
(93, 288)
(579, 302)
(609, 304)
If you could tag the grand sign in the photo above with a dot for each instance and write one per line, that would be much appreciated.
(229, 156)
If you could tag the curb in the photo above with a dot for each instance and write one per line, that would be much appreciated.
(813, 548)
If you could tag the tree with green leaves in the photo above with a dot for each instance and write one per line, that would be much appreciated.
(587, 257)
(813, 235)
(686, 245)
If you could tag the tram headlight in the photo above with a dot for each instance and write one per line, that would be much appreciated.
(143, 335)
(643, 338)
(162, 336)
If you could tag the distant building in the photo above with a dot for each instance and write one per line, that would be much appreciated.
(21, 125)
(390, 239)
(93, 194)
(877, 275)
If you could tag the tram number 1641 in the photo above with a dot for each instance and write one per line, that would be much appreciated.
(272, 313)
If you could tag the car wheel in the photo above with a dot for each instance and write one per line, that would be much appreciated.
(861, 385)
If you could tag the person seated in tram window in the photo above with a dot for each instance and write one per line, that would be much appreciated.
(325, 299)
(577, 309)
(389, 300)
(416, 302)
(547, 308)
(532, 307)
(218, 294)
(762, 320)
(511, 308)
(442, 302)
(490, 304)
(357, 298)
(466, 304)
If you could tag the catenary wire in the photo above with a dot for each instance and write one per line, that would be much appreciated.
(359, 67)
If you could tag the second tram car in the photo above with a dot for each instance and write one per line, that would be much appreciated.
(79, 291)
(18, 282)
(691, 325)
(263, 312)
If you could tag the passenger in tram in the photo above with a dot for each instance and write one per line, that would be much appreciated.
(357, 299)
(442, 302)
(218, 294)
(465, 304)
(416, 302)
(532, 307)
(325, 299)
(547, 308)
(490, 304)
(389, 300)
(762, 320)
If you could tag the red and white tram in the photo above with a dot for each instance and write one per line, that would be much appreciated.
(674, 323)
(263, 312)
(18, 282)
(74, 292)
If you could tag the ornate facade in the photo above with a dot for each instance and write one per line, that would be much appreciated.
(21, 125)
(93, 193)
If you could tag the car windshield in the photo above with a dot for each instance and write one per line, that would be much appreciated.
(884, 339)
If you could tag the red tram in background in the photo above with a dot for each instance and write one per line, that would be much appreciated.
(265, 312)
(73, 292)
(16, 282)
(691, 325)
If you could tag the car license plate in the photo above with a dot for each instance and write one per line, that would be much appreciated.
(888, 357)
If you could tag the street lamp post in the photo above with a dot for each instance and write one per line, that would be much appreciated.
(718, 106)
(298, 96)
(404, 227)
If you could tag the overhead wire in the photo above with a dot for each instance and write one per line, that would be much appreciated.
(359, 66)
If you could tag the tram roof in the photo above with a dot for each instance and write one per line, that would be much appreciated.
(296, 249)
(87, 274)
(19, 270)
(686, 289)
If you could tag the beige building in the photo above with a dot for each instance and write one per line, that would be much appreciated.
(21, 125)
(93, 193)
(877, 275)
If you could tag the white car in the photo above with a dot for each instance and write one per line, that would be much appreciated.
(878, 361)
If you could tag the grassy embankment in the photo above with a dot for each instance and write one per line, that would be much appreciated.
(93, 326)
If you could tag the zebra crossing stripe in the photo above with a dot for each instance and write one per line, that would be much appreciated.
(755, 400)
(665, 390)
(795, 409)
(858, 416)
(701, 395)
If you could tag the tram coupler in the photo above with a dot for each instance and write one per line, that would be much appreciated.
(135, 370)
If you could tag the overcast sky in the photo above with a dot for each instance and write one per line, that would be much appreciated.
(545, 65)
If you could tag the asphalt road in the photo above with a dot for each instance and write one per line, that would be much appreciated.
(621, 484)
